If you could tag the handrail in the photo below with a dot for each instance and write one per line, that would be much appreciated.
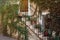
(34, 33)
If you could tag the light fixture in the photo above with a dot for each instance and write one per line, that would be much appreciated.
(45, 12)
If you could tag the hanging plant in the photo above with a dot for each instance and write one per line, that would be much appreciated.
(37, 26)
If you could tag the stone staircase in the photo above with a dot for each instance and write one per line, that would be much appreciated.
(33, 34)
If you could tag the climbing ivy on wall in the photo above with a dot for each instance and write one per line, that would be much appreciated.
(9, 15)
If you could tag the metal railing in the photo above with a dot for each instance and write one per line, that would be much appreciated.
(34, 33)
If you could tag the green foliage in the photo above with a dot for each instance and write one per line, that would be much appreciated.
(10, 12)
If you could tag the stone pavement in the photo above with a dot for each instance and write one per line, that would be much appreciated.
(5, 38)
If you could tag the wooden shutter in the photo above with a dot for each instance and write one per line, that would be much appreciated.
(24, 6)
